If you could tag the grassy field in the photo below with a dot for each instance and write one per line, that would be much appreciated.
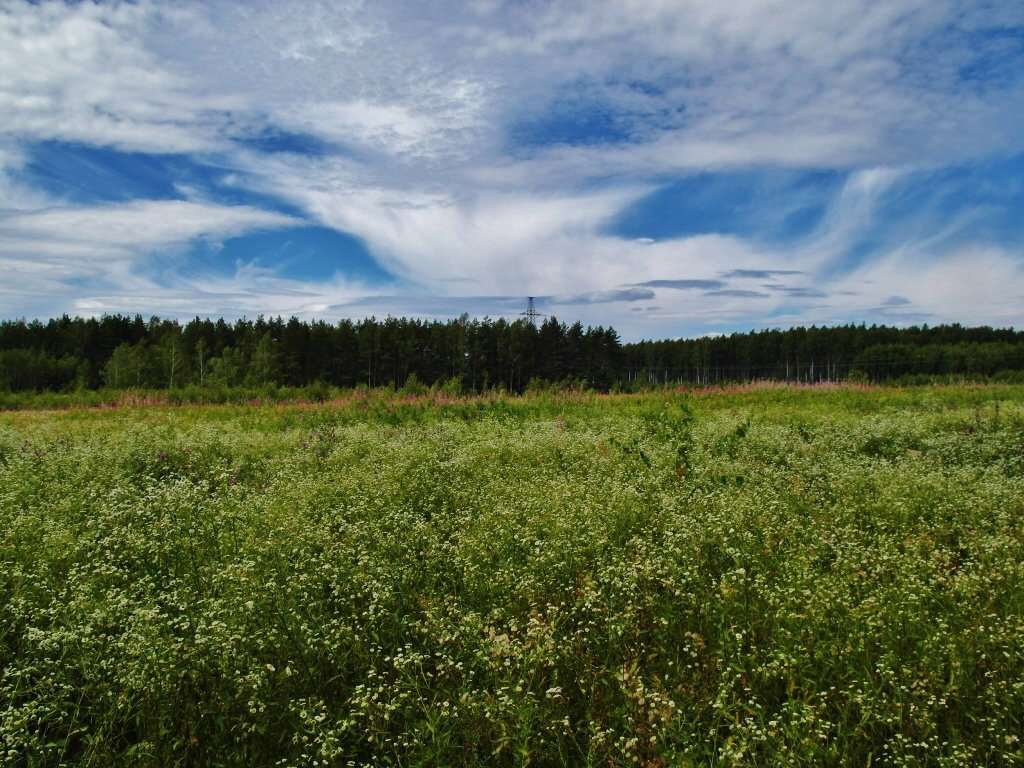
(758, 577)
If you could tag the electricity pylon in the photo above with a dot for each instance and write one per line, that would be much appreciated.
(531, 312)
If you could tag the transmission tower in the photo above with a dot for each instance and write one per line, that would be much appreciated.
(531, 312)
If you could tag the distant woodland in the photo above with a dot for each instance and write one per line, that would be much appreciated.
(472, 355)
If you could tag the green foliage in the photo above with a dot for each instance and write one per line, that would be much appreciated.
(30, 369)
(413, 386)
(130, 353)
(758, 576)
(264, 363)
(128, 366)
(451, 387)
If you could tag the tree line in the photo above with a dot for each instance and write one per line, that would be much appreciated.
(875, 353)
(122, 352)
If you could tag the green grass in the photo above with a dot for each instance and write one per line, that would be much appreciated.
(758, 577)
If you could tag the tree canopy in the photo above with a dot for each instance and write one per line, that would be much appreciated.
(119, 352)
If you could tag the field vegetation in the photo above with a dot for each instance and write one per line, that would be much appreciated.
(764, 575)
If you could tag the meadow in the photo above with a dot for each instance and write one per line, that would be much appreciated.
(763, 576)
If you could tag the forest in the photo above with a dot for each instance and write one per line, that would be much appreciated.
(473, 355)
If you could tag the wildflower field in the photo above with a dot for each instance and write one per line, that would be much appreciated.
(764, 576)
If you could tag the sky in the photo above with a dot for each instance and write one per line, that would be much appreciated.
(671, 168)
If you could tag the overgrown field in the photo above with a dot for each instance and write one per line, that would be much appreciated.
(763, 577)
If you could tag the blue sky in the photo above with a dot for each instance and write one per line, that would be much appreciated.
(669, 168)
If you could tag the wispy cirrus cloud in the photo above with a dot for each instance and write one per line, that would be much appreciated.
(95, 230)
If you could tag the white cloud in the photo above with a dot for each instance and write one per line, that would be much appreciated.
(131, 226)
(389, 128)
(422, 104)
(222, 296)
(43, 253)
(349, 72)
(16, 195)
(974, 284)
(77, 72)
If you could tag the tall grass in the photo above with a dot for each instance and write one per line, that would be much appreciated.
(757, 577)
